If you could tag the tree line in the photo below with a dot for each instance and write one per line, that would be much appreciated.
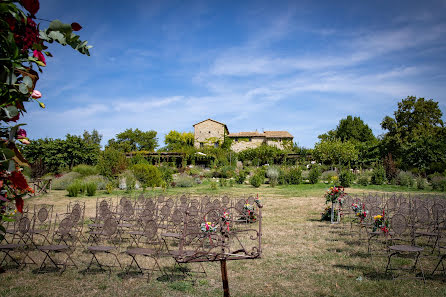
(414, 139)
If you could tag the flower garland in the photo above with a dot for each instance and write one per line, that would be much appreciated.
(381, 222)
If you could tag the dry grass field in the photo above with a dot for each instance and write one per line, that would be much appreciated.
(302, 256)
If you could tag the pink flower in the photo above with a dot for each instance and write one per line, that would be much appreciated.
(21, 134)
(36, 94)
(39, 56)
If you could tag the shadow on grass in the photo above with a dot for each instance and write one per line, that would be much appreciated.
(360, 255)
(369, 274)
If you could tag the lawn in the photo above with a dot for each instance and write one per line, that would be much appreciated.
(302, 256)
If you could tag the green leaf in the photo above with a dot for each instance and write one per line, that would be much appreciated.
(57, 25)
(7, 153)
(11, 166)
(23, 88)
(28, 81)
(40, 63)
(57, 36)
(13, 132)
(48, 54)
(11, 79)
(11, 111)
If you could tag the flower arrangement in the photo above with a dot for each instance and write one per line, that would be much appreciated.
(249, 214)
(226, 216)
(23, 47)
(335, 194)
(258, 202)
(362, 214)
(356, 207)
(381, 222)
(326, 214)
(208, 227)
(248, 207)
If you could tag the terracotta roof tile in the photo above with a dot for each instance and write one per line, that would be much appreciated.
(267, 134)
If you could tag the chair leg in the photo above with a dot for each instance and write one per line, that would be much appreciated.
(438, 264)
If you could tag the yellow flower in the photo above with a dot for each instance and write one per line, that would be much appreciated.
(378, 217)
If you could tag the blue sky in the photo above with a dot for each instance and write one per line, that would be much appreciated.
(299, 66)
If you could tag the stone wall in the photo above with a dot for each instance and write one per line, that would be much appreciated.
(238, 146)
(208, 132)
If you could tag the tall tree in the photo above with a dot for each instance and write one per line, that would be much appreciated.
(175, 140)
(350, 128)
(416, 134)
(134, 140)
(93, 137)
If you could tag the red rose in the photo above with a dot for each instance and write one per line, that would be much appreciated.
(21, 133)
(19, 181)
(39, 56)
(76, 26)
(19, 204)
(31, 5)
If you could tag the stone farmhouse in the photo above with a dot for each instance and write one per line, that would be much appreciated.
(213, 133)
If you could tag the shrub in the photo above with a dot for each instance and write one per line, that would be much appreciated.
(184, 181)
(100, 181)
(85, 170)
(346, 178)
(256, 180)
(166, 173)
(241, 177)
(294, 176)
(363, 180)
(273, 174)
(127, 181)
(328, 175)
(404, 179)
(314, 175)
(439, 183)
(148, 175)
(231, 182)
(74, 188)
(421, 183)
(213, 185)
(91, 188)
(227, 171)
(112, 162)
(378, 175)
(61, 183)
(109, 187)
(222, 182)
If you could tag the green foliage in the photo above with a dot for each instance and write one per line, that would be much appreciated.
(416, 135)
(350, 128)
(166, 173)
(75, 188)
(256, 180)
(213, 185)
(109, 187)
(329, 175)
(378, 175)
(61, 153)
(273, 174)
(175, 140)
(91, 188)
(421, 183)
(138, 159)
(439, 183)
(112, 163)
(333, 152)
(148, 175)
(99, 180)
(85, 170)
(62, 182)
(363, 180)
(346, 178)
(314, 175)
(134, 140)
(129, 179)
(227, 171)
(405, 179)
(241, 177)
(263, 154)
(222, 182)
(293, 176)
(184, 181)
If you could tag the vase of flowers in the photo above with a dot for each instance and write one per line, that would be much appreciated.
(335, 195)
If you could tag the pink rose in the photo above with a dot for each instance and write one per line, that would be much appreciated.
(36, 94)
(21, 133)
(39, 56)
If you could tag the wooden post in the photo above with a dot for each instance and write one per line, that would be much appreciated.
(224, 278)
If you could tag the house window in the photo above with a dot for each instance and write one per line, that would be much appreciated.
(216, 144)
(201, 144)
